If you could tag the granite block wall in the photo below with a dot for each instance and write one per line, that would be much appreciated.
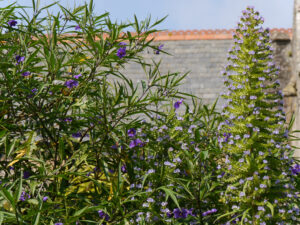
(204, 60)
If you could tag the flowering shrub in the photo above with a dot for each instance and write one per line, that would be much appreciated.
(258, 172)
(179, 178)
(82, 144)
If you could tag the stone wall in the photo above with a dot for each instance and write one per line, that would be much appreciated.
(205, 58)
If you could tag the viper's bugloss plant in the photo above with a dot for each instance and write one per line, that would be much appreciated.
(258, 178)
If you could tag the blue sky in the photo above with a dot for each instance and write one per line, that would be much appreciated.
(190, 14)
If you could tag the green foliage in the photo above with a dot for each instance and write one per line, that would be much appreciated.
(66, 113)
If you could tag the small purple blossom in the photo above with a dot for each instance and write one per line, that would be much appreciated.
(71, 83)
(209, 212)
(131, 132)
(77, 76)
(103, 215)
(26, 174)
(183, 213)
(25, 74)
(136, 143)
(76, 135)
(246, 135)
(19, 59)
(159, 48)
(77, 27)
(68, 120)
(296, 169)
(121, 52)
(45, 199)
(24, 196)
(12, 23)
(123, 169)
(178, 103)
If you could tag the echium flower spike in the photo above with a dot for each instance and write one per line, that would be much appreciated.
(254, 133)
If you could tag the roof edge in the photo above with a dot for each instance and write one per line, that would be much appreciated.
(218, 34)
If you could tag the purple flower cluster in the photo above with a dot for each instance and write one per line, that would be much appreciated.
(25, 74)
(24, 196)
(136, 143)
(209, 212)
(296, 169)
(181, 214)
(71, 83)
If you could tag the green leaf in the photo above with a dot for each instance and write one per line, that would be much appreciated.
(271, 207)
(7, 195)
(10, 147)
(61, 149)
(1, 218)
(80, 211)
(18, 192)
(170, 193)
(37, 218)
(33, 201)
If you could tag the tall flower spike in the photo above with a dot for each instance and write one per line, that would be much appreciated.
(254, 147)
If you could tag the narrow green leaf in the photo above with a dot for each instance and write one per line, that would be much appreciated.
(171, 194)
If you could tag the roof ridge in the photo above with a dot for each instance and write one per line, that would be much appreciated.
(205, 34)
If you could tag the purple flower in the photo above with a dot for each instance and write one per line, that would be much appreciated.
(123, 169)
(34, 90)
(25, 74)
(251, 52)
(263, 186)
(131, 132)
(19, 59)
(103, 215)
(24, 196)
(71, 83)
(159, 48)
(12, 23)
(177, 104)
(26, 174)
(246, 135)
(58, 224)
(45, 199)
(76, 135)
(68, 120)
(121, 52)
(209, 212)
(77, 76)
(77, 27)
(136, 143)
(296, 169)
(183, 213)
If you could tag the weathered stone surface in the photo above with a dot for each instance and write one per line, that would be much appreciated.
(204, 60)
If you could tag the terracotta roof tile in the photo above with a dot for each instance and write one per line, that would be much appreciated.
(204, 34)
